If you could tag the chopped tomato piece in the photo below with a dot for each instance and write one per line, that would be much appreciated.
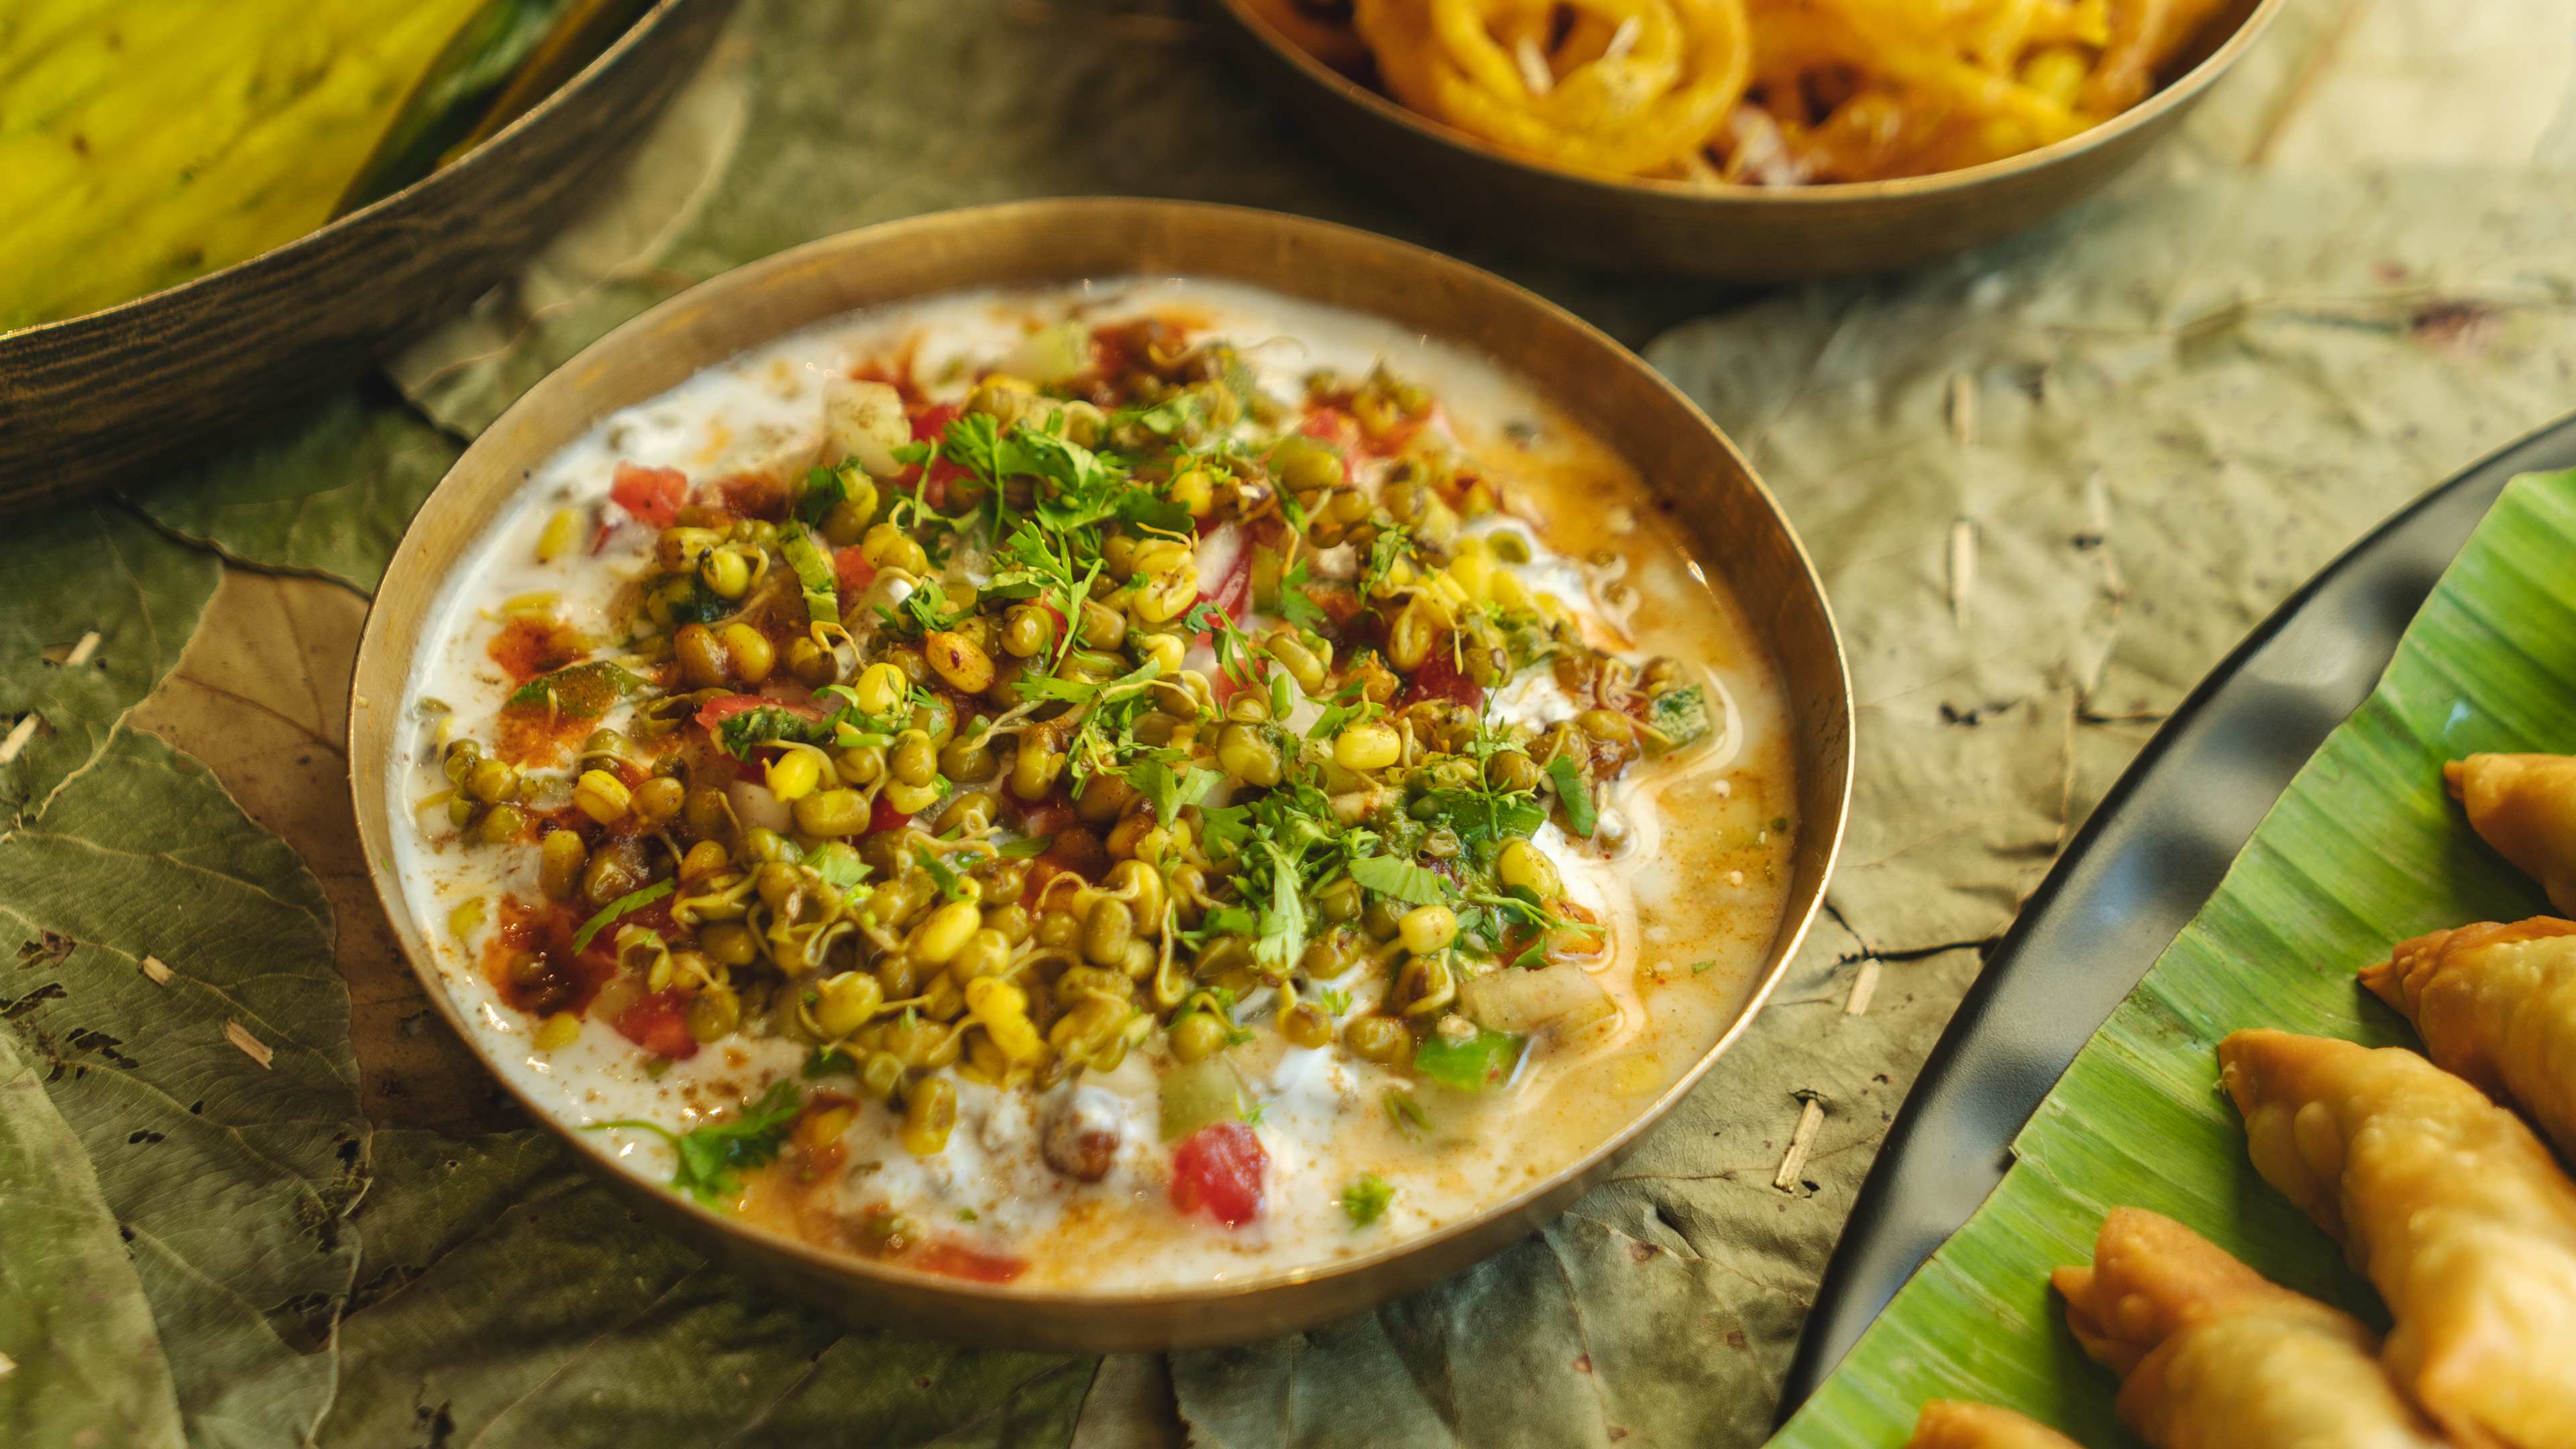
(653, 495)
(927, 427)
(1076, 851)
(1438, 678)
(1340, 602)
(931, 422)
(852, 572)
(1078, 848)
(757, 495)
(1395, 438)
(1109, 353)
(1337, 428)
(960, 1261)
(1219, 1167)
(659, 1024)
(1041, 871)
(1038, 821)
(883, 816)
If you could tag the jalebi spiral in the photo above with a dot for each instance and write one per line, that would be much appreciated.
(1614, 86)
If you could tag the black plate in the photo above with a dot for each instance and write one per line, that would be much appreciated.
(2137, 873)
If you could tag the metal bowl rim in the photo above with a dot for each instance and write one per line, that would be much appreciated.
(368, 794)
(2181, 91)
(279, 254)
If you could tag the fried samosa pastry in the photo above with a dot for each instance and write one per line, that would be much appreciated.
(2212, 1355)
(2496, 1006)
(2444, 1200)
(1952, 1424)
(2524, 806)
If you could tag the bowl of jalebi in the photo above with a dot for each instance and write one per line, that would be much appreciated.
(1757, 140)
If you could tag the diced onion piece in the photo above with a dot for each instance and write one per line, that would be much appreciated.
(863, 420)
(1563, 997)
(1051, 354)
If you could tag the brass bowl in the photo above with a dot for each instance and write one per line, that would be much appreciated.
(1730, 518)
(86, 399)
(1739, 233)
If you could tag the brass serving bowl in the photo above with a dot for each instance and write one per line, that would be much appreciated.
(88, 399)
(1730, 518)
(1740, 233)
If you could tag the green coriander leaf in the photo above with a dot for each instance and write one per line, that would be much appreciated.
(973, 442)
(634, 900)
(1394, 544)
(1225, 830)
(580, 691)
(711, 1156)
(1204, 617)
(1282, 938)
(1296, 605)
(925, 610)
(950, 883)
(1400, 880)
(739, 734)
(1230, 921)
(1154, 778)
(1365, 1199)
(837, 864)
(1405, 1111)
(1144, 510)
(1350, 705)
(1481, 817)
(1026, 847)
(1575, 792)
(823, 491)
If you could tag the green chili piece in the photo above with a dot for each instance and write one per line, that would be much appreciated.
(1482, 1060)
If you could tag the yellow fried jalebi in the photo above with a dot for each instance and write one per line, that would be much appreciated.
(1912, 101)
(2145, 34)
(1761, 91)
(1622, 87)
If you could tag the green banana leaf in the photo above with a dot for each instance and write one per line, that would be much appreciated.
(501, 62)
(2364, 850)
